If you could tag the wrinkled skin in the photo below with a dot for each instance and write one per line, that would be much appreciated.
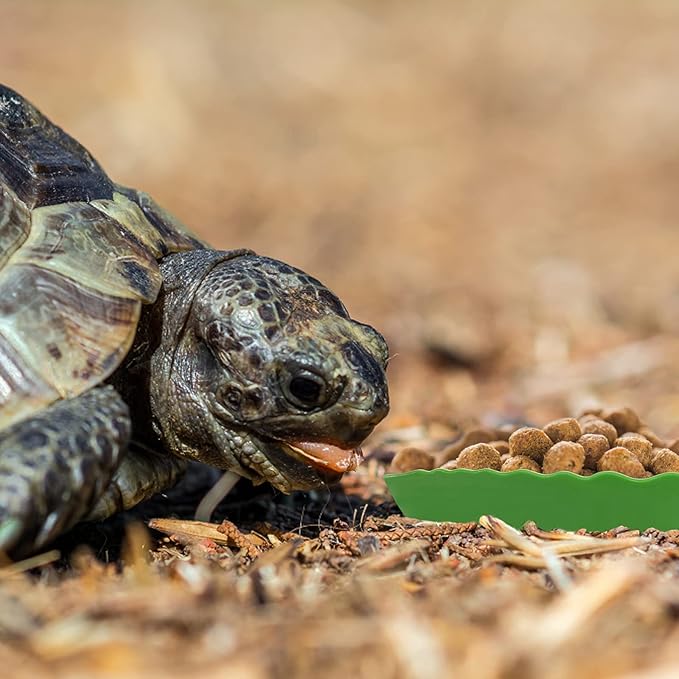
(256, 363)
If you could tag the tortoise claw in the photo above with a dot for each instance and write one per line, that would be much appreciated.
(10, 531)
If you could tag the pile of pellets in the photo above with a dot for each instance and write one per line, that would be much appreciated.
(596, 441)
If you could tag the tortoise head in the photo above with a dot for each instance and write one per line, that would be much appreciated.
(269, 376)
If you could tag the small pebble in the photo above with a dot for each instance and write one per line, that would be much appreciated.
(479, 456)
(595, 446)
(600, 427)
(451, 464)
(565, 429)
(623, 461)
(623, 419)
(665, 460)
(639, 445)
(531, 442)
(408, 459)
(565, 456)
(512, 464)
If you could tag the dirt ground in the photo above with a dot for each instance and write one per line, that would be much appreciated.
(494, 186)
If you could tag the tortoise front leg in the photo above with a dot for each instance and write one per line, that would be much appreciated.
(56, 465)
(142, 473)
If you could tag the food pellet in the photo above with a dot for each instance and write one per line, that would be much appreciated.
(468, 438)
(600, 427)
(595, 446)
(623, 419)
(592, 412)
(529, 441)
(664, 460)
(504, 431)
(502, 447)
(565, 456)
(639, 445)
(598, 440)
(652, 437)
(408, 459)
(565, 429)
(621, 460)
(512, 463)
(479, 456)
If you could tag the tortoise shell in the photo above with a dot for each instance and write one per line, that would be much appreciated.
(78, 258)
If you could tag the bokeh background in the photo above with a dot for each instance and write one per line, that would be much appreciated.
(494, 185)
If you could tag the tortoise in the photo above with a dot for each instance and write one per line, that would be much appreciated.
(129, 347)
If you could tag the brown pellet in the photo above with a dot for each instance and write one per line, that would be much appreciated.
(623, 419)
(587, 472)
(600, 427)
(595, 446)
(529, 441)
(479, 456)
(504, 431)
(639, 445)
(652, 437)
(665, 460)
(468, 438)
(565, 429)
(592, 412)
(565, 456)
(513, 463)
(451, 464)
(502, 447)
(621, 460)
(409, 459)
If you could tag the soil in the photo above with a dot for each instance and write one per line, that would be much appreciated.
(492, 185)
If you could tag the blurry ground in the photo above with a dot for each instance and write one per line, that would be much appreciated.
(493, 185)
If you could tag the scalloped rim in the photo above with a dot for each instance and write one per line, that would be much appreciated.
(529, 472)
(560, 500)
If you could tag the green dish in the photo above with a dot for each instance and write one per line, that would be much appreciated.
(562, 500)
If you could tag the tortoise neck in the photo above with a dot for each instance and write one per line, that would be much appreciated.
(143, 379)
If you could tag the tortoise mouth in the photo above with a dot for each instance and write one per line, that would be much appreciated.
(326, 456)
(306, 465)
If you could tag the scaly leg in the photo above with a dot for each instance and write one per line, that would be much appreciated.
(141, 474)
(56, 465)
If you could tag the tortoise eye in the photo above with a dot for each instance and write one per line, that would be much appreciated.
(305, 390)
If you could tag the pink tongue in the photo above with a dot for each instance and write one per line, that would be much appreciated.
(333, 457)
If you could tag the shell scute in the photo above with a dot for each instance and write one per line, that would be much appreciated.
(15, 223)
(78, 257)
(44, 315)
(87, 246)
(40, 162)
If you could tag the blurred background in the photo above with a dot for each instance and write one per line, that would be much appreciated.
(493, 185)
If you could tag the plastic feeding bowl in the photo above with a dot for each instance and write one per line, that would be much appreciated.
(561, 500)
